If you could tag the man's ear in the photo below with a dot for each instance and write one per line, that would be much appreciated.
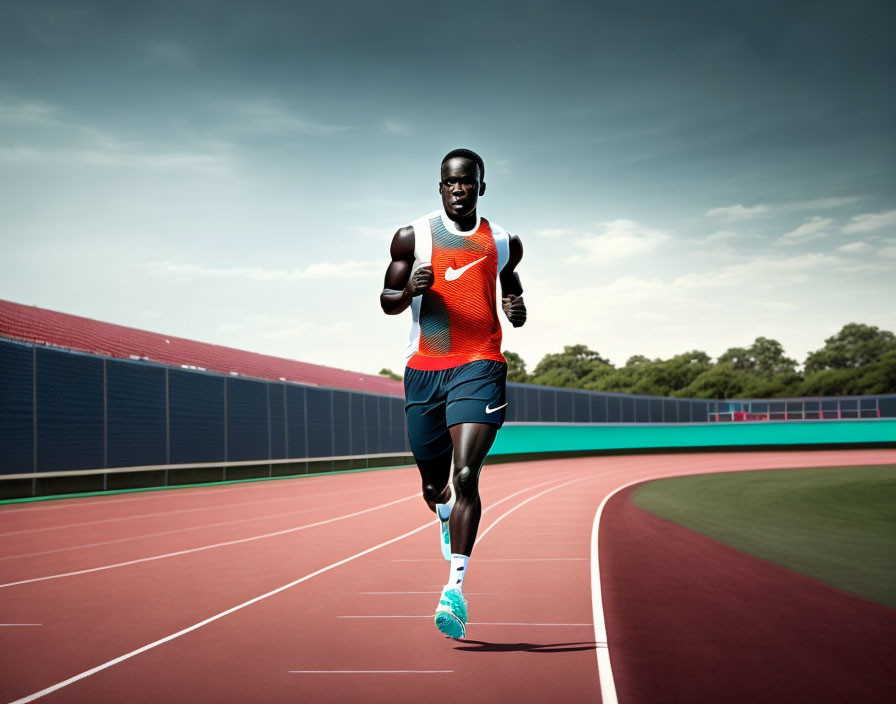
(482, 189)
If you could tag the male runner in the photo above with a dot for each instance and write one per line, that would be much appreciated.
(445, 266)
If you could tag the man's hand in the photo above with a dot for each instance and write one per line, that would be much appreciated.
(514, 309)
(420, 281)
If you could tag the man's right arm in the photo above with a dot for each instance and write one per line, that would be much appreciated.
(400, 286)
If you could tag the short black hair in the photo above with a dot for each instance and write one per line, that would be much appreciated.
(468, 154)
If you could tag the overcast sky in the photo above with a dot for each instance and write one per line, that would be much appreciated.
(685, 175)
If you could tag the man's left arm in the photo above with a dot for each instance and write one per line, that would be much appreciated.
(511, 288)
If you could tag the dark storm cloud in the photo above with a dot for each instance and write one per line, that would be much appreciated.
(683, 87)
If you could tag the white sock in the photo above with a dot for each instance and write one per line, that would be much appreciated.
(458, 571)
(443, 511)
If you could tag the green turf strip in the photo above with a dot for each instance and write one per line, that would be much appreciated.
(836, 524)
(136, 490)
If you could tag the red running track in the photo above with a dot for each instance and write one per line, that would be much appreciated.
(322, 589)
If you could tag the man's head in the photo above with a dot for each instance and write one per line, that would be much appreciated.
(462, 182)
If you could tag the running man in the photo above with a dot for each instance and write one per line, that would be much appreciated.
(445, 267)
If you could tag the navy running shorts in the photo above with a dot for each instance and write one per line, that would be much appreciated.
(435, 400)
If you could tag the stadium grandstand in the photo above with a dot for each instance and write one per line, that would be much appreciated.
(40, 326)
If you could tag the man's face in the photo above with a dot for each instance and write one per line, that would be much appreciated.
(460, 187)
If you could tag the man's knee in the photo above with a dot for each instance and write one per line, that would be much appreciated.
(466, 482)
(431, 495)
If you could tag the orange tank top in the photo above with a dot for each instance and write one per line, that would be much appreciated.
(458, 319)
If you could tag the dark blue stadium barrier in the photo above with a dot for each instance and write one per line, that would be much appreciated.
(319, 419)
(398, 435)
(196, 413)
(564, 407)
(296, 427)
(371, 425)
(581, 408)
(277, 406)
(135, 410)
(247, 414)
(94, 413)
(342, 429)
(357, 421)
(70, 411)
(16, 409)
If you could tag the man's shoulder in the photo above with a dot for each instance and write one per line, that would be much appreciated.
(497, 230)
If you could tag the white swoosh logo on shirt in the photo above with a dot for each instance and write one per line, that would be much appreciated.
(452, 274)
(492, 410)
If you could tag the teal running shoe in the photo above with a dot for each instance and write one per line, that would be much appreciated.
(451, 614)
(443, 511)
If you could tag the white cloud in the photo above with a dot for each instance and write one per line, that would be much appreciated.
(207, 163)
(721, 236)
(813, 228)
(761, 272)
(867, 222)
(269, 116)
(737, 212)
(24, 112)
(854, 247)
(889, 249)
(621, 239)
(395, 126)
(822, 203)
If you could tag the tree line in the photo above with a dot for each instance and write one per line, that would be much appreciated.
(860, 359)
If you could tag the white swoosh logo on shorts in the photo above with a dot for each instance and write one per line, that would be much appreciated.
(492, 410)
(452, 274)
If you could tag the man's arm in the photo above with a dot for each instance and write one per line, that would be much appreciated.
(511, 287)
(400, 286)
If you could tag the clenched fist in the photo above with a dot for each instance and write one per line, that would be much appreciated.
(420, 281)
(514, 309)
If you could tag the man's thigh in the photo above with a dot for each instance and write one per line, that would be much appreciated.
(425, 410)
(477, 393)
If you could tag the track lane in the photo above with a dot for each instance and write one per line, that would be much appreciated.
(142, 603)
(695, 621)
(243, 575)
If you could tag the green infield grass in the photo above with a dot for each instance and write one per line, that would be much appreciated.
(835, 524)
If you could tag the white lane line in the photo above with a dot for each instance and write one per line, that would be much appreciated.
(368, 672)
(471, 623)
(389, 616)
(604, 668)
(8, 625)
(431, 592)
(498, 559)
(523, 503)
(208, 547)
(195, 626)
(176, 530)
(245, 540)
(74, 502)
(499, 623)
(239, 504)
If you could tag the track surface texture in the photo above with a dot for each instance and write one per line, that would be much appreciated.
(322, 590)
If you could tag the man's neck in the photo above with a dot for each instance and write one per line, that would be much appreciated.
(465, 223)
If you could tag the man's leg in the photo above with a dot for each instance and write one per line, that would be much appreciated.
(471, 441)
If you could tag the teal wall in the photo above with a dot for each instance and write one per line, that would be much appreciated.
(520, 438)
